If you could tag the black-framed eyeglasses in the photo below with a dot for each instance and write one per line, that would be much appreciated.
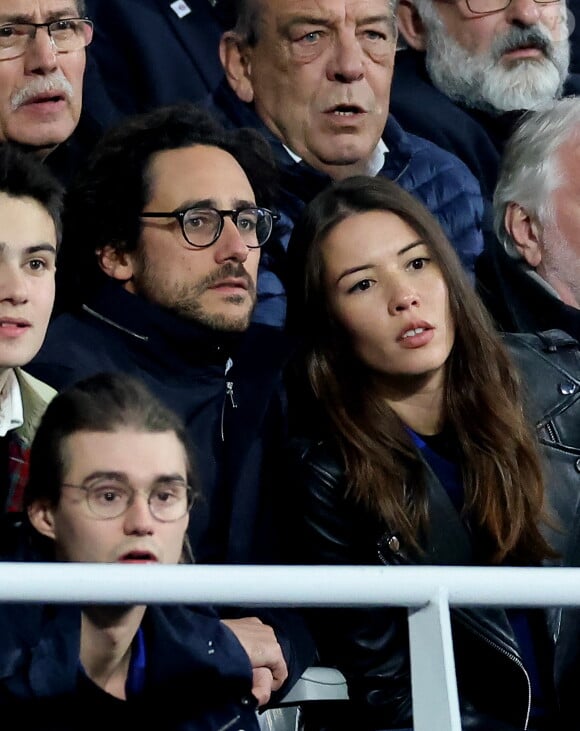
(483, 7)
(66, 34)
(202, 227)
(111, 497)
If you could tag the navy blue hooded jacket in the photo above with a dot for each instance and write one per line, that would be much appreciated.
(184, 686)
(227, 388)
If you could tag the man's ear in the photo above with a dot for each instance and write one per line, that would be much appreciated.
(235, 56)
(116, 264)
(40, 514)
(411, 26)
(525, 232)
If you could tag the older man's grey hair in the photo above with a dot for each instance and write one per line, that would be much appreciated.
(530, 170)
(249, 17)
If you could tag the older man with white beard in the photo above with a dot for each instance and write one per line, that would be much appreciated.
(471, 67)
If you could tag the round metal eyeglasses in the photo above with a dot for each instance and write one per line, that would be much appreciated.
(202, 227)
(483, 7)
(66, 34)
(109, 498)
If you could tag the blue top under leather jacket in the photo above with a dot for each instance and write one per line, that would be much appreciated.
(370, 645)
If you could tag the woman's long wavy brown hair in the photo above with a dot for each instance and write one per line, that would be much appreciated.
(500, 462)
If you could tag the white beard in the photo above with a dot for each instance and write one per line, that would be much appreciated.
(483, 81)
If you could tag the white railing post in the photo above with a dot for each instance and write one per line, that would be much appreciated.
(426, 591)
(433, 682)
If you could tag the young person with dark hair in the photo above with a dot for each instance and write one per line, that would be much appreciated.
(111, 481)
(425, 453)
(30, 210)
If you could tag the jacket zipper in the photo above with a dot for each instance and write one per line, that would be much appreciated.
(550, 430)
(504, 652)
(98, 316)
(517, 662)
(228, 395)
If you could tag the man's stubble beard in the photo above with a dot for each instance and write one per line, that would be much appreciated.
(483, 82)
(184, 300)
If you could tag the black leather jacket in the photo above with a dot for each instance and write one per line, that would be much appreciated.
(370, 645)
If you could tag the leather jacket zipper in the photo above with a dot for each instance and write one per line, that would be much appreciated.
(488, 641)
(245, 701)
(228, 395)
(517, 662)
(550, 430)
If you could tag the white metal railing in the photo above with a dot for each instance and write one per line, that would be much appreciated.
(427, 591)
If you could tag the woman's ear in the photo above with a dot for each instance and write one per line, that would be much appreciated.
(116, 264)
(41, 516)
(411, 27)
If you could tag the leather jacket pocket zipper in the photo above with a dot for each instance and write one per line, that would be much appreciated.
(516, 662)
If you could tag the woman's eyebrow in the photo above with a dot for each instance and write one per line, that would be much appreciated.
(410, 246)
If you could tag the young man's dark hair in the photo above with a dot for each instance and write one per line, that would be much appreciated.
(23, 176)
(106, 402)
(30, 211)
(104, 204)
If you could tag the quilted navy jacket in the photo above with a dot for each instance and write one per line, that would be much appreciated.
(436, 177)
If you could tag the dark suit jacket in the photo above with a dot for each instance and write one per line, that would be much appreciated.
(194, 690)
(147, 55)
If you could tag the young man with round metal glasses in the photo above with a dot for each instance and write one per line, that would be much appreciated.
(164, 231)
(112, 481)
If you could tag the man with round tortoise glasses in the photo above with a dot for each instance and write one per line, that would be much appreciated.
(166, 230)
(130, 456)
(202, 226)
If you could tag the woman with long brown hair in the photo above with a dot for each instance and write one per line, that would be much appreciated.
(422, 451)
